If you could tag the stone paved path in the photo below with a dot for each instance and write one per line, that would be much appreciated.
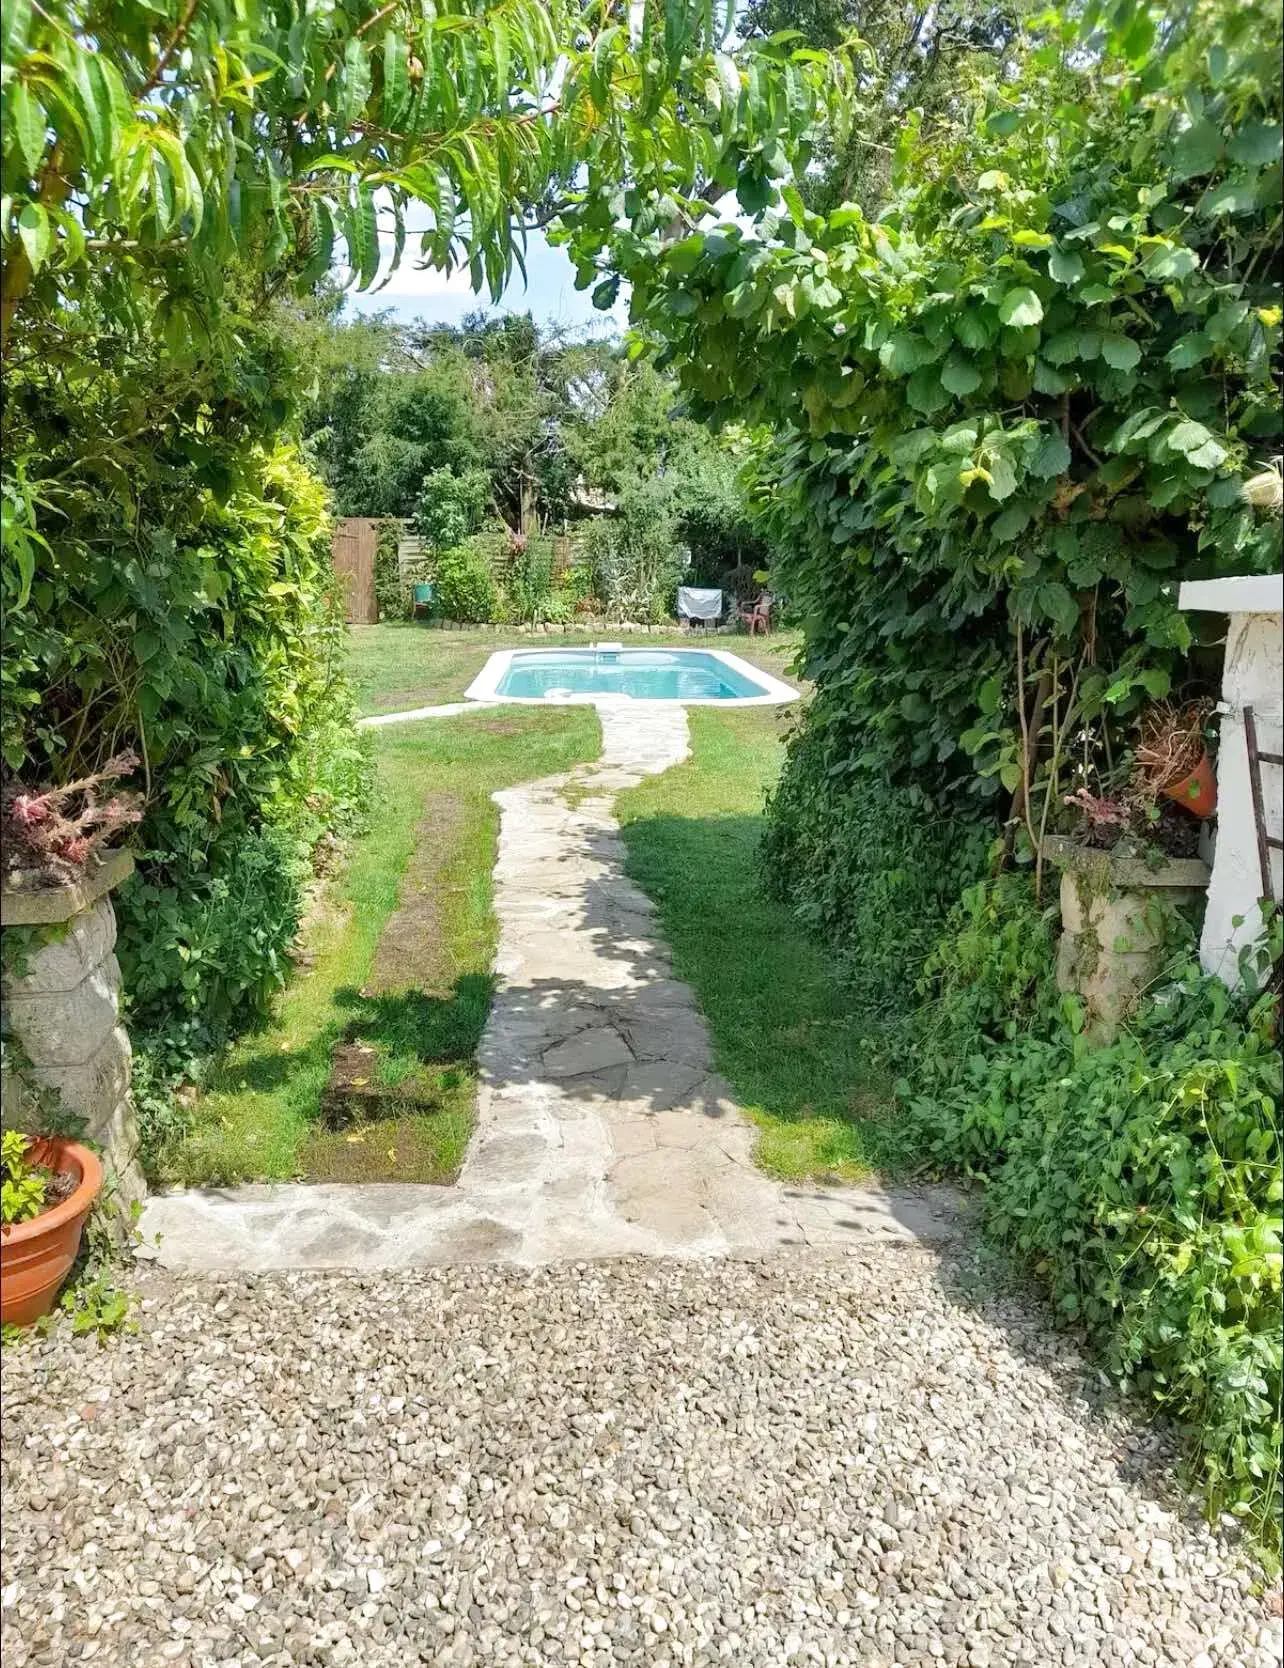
(602, 1128)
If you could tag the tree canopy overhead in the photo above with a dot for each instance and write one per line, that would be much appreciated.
(146, 147)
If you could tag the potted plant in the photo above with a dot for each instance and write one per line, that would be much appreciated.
(49, 1188)
(1171, 760)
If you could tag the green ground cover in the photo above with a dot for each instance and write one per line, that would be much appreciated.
(260, 1115)
(784, 1035)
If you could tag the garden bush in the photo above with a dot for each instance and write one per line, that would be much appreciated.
(464, 585)
(451, 507)
(1002, 420)
(391, 593)
(186, 611)
(529, 585)
(1139, 1181)
(871, 864)
(636, 556)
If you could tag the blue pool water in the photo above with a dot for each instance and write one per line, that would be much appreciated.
(645, 674)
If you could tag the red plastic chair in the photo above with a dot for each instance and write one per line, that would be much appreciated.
(757, 616)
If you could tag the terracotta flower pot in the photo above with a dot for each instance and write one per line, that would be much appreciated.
(36, 1256)
(1196, 793)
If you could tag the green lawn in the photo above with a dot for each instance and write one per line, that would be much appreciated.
(403, 665)
(367, 1072)
(796, 1058)
(423, 872)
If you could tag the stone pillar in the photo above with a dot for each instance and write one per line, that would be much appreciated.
(1252, 675)
(1116, 913)
(63, 1010)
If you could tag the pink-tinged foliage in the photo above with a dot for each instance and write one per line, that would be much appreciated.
(54, 832)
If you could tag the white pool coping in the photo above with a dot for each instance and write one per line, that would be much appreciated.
(485, 686)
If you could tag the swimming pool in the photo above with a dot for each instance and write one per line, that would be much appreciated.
(696, 677)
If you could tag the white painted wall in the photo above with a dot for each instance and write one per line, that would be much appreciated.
(1253, 675)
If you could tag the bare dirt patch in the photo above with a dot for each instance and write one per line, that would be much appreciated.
(412, 951)
(414, 1129)
(403, 1145)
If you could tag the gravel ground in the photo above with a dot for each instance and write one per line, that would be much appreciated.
(805, 1459)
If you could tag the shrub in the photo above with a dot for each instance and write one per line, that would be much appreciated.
(529, 581)
(213, 949)
(871, 864)
(1005, 416)
(391, 593)
(191, 619)
(636, 557)
(451, 506)
(1139, 1181)
(465, 585)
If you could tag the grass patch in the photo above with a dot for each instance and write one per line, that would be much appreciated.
(261, 1114)
(407, 664)
(797, 1059)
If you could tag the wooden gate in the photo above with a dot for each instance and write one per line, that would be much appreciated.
(355, 538)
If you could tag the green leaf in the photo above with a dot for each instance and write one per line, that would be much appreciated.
(1190, 350)
(28, 125)
(1056, 602)
(902, 353)
(1015, 519)
(396, 75)
(364, 257)
(1197, 151)
(924, 391)
(94, 101)
(1174, 262)
(1257, 143)
(1120, 351)
(605, 293)
(36, 234)
(1065, 265)
(1002, 483)
(14, 25)
(989, 695)
(1235, 196)
(1156, 682)
(1048, 381)
(973, 329)
(1052, 458)
(685, 256)
(1188, 437)
(1031, 240)
(1020, 306)
(681, 303)
(960, 377)
(908, 449)
(753, 192)
(355, 82)
(1208, 456)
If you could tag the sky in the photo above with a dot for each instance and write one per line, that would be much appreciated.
(550, 294)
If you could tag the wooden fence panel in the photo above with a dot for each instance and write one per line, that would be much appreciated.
(355, 539)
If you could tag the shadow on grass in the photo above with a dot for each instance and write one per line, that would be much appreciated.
(785, 1035)
(413, 1023)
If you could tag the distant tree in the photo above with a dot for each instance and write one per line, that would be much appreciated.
(922, 59)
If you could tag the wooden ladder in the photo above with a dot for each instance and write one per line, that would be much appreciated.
(1265, 840)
